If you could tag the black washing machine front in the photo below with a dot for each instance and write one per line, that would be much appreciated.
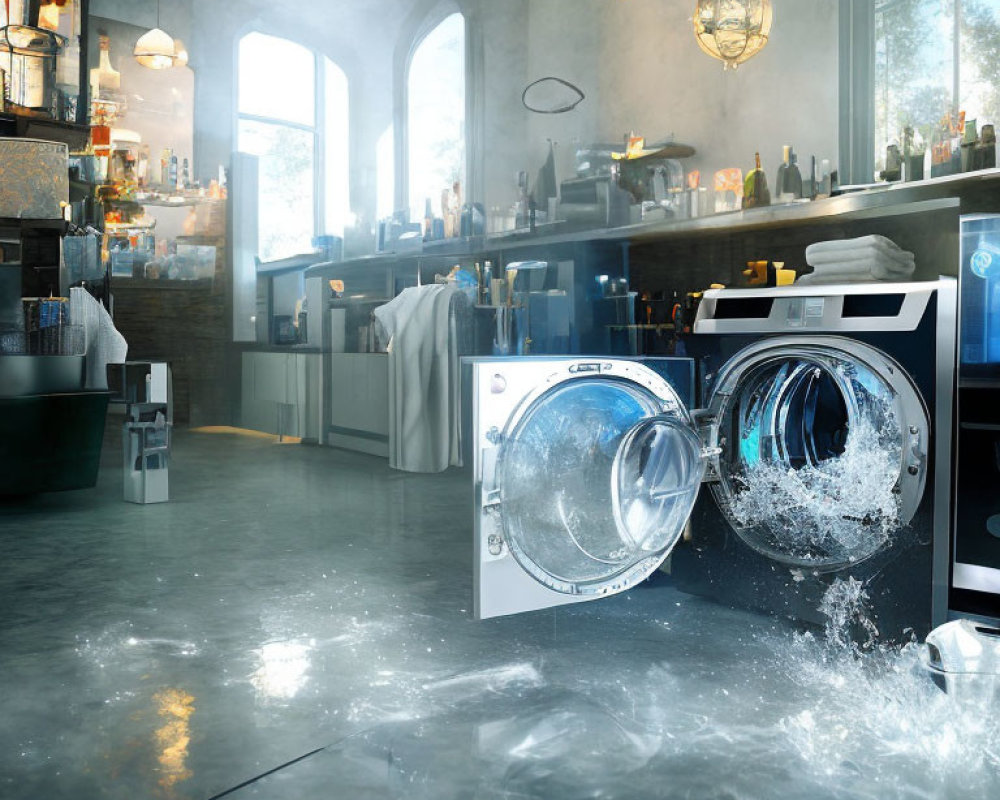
(821, 506)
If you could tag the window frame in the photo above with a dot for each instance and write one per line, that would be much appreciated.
(857, 86)
(317, 129)
(420, 23)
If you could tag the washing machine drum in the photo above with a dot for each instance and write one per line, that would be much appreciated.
(823, 451)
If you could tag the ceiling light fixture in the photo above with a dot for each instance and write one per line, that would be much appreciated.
(732, 30)
(155, 48)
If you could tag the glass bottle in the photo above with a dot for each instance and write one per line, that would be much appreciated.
(428, 220)
(104, 78)
(789, 182)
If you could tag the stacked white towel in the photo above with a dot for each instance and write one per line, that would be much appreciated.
(868, 258)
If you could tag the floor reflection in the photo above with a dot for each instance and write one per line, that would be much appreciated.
(175, 708)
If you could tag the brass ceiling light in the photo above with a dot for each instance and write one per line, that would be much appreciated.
(732, 30)
(155, 48)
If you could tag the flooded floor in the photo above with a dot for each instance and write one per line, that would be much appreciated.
(293, 600)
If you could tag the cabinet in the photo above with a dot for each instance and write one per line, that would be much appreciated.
(281, 395)
(359, 402)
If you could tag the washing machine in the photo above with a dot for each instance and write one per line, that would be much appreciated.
(804, 439)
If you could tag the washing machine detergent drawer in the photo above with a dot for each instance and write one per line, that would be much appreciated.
(587, 470)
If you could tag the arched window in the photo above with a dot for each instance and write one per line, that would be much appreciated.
(295, 119)
(436, 115)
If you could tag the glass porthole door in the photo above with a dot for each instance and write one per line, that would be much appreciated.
(597, 476)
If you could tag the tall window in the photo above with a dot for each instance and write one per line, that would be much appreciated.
(436, 115)
(293, 115)
(934, 58)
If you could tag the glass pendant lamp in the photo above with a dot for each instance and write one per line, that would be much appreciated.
(732, 30)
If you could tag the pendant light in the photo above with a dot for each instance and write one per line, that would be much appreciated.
(732, 30)
(155, 48)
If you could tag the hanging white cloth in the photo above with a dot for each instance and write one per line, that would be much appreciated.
(424, 377)
(104, 344)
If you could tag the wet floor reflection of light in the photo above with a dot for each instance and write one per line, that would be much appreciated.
(175, 707)
(282, 670)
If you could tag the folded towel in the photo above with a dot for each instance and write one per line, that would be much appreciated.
(812, 279)
(849, 274)
(863, 247)
(834, 245)
(880, 269)
(902, 257)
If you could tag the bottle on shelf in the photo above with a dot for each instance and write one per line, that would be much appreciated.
(788, 185)
(755, 191)
(523, 201)
(165, 155)
(104, 78)
(428, 220)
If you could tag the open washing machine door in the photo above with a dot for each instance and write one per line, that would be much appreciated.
(587, 477)
(587, 471)
(823, 450)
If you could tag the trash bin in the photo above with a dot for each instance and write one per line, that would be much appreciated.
(145, 388)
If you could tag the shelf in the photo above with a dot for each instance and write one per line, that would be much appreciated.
(666, 326)
(29, 126)
(124, 227)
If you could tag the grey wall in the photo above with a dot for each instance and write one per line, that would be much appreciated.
(159, 103)
(642, 71)
(174, 15)
(636, 61)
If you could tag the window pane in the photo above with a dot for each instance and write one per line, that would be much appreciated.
(980, 65)
(277, 78)
(385, 171)
(338, 179)
(286, 208)
(914, 81)
(436, 88)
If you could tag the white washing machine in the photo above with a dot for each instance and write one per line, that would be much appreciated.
(817, 420)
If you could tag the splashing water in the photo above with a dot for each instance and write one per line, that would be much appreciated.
(849, 626)
(839, 511)
(877, 718)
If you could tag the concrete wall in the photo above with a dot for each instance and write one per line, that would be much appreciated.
(642, 71)
(636, 61)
